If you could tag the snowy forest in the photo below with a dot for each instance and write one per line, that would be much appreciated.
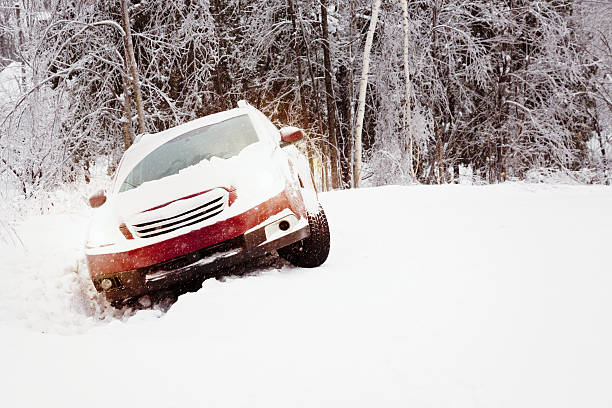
(455, 252)
(393, 91)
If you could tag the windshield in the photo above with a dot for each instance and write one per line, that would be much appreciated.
(223, 139)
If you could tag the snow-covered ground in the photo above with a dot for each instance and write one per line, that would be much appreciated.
(463, 296)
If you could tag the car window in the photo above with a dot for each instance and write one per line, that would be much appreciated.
(223, 139)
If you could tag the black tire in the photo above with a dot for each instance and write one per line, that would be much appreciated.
(312, 251)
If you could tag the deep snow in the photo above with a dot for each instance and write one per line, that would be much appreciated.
(496, 296)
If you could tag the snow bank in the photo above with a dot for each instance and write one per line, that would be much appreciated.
(45, 286)
(432, 296)
(44, 283)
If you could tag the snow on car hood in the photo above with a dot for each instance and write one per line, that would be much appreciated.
(252, 172)
(257, 173)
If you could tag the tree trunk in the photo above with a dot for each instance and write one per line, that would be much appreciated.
(126, 125)
(315, 91)
(351, 103)
(19, 47)
(440, 155)
(315, 96)
(602, 147)
(298, 62)
(408, 86)
(133, 66)
(331, 106)
(363, 84)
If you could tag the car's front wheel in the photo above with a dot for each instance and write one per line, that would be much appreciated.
(312, 251)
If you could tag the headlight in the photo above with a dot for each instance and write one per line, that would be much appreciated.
(106, 284)
(104, 228)
(100, 237)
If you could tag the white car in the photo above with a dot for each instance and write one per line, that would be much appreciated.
(202, 196)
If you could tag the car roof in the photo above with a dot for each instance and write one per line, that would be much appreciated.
(146, 143)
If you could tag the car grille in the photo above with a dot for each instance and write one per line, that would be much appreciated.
(202, 212)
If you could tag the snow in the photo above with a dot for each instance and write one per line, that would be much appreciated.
(432, 296)
(147, 142)
(254, 172)
(10, 87)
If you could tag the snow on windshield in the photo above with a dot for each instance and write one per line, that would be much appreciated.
(223, 139)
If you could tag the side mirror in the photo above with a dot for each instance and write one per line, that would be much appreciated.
(97, 199)
(290, 134)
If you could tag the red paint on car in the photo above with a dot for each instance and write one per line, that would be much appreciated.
(104, 264)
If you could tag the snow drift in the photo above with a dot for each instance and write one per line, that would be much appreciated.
(432, 296)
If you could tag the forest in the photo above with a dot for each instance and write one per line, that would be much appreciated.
(387, 91)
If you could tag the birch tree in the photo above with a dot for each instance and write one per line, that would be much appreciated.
(407, 97)
(363, 84)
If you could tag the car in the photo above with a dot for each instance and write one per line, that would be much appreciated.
(200, 197)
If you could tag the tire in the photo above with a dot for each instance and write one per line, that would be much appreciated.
(312, 251)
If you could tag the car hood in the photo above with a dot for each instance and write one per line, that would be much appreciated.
(254, 175)
(257, 174)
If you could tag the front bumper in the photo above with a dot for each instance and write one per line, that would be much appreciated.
(205, 262)
(200, 253)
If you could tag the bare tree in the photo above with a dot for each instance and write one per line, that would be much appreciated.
(362, 94)
(329, 96)
(131, 59)
(407, 98)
